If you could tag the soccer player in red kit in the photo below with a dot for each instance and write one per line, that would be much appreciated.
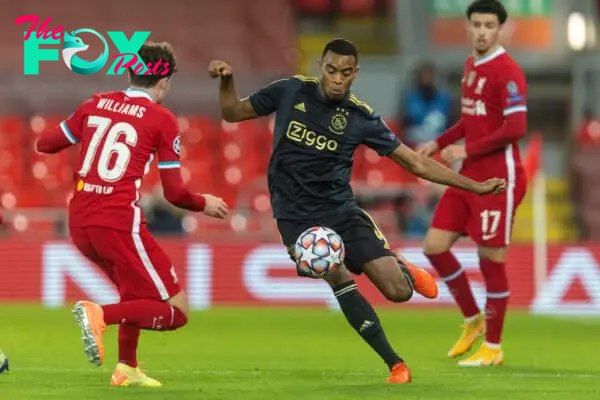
(493, 121)
(120, 134)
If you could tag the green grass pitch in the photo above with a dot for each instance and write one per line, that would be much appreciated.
(285, 354)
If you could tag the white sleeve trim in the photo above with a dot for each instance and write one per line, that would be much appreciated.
(169, 164)
(67, 132)
(514, 109)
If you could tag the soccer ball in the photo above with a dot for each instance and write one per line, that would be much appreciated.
(319, 251)
(3, 362)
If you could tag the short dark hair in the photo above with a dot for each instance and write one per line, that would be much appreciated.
(488, 7)
(341, 46)
(152, 52)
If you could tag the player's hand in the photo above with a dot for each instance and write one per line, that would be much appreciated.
(493, 185)
(428, 149)
(215, 206)
(218, 68)
(454, 152)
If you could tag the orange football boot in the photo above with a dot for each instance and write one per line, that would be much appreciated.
(90, 318)
(400, 374)
(425, 284)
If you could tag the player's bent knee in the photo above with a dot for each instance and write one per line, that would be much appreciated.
(180, 302)
(432, 246)
(180, 307)
(438, 241)
(179, 319)
(338, 277)
(398, 293)
(496, 254)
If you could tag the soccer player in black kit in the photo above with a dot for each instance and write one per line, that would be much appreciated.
(318, 125)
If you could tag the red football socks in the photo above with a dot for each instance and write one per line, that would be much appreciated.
(454, 276)
(128, 343)
(145, 314)
(496, 283)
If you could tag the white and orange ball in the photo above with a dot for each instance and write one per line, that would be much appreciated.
(319, 251)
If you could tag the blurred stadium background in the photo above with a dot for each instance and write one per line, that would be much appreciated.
(407, 47)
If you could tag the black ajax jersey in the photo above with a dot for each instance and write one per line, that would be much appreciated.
(313, 146)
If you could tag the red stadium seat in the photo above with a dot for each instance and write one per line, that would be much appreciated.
(11, 151)
(11, 166)
(357, 7)
(377, 171)
(313, 7)
(26, 196)
(52, 172)
(199, 151)
(360, 164)
(243, 156)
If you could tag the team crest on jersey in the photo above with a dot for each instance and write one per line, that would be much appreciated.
(512, 88)
(339, 121)
(513, 93)
(177, 145)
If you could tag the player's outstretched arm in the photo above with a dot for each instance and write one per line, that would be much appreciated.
(168, 146)
(60, 137)
(233, 109)
(67, 133)
(177, 194)
(52, 142)
(450, 136)
(426, 168)
(512, 130)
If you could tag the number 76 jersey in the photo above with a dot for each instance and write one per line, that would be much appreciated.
(120, 134)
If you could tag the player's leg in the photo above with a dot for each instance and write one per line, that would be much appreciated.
(151, 297)
(449, 223)
(359, 313)
(128, 338)
(492, 233)
(128, 334)
(89, 318)
(368, 251)
(140, 306)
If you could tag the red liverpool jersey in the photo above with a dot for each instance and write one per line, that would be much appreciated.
(120, 135)
(493, 88)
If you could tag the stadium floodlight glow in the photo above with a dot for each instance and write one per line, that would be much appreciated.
(576, 31)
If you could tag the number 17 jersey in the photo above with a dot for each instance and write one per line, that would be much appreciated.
(120, 134)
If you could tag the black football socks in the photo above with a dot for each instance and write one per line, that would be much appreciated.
(361, 315)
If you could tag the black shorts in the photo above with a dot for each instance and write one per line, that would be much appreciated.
(364, 241)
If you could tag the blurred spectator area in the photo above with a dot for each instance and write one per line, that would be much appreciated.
(226, 159)
(370, 24)
(585, 175)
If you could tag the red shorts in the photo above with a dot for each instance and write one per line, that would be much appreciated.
(135, 263)
(488, 219)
